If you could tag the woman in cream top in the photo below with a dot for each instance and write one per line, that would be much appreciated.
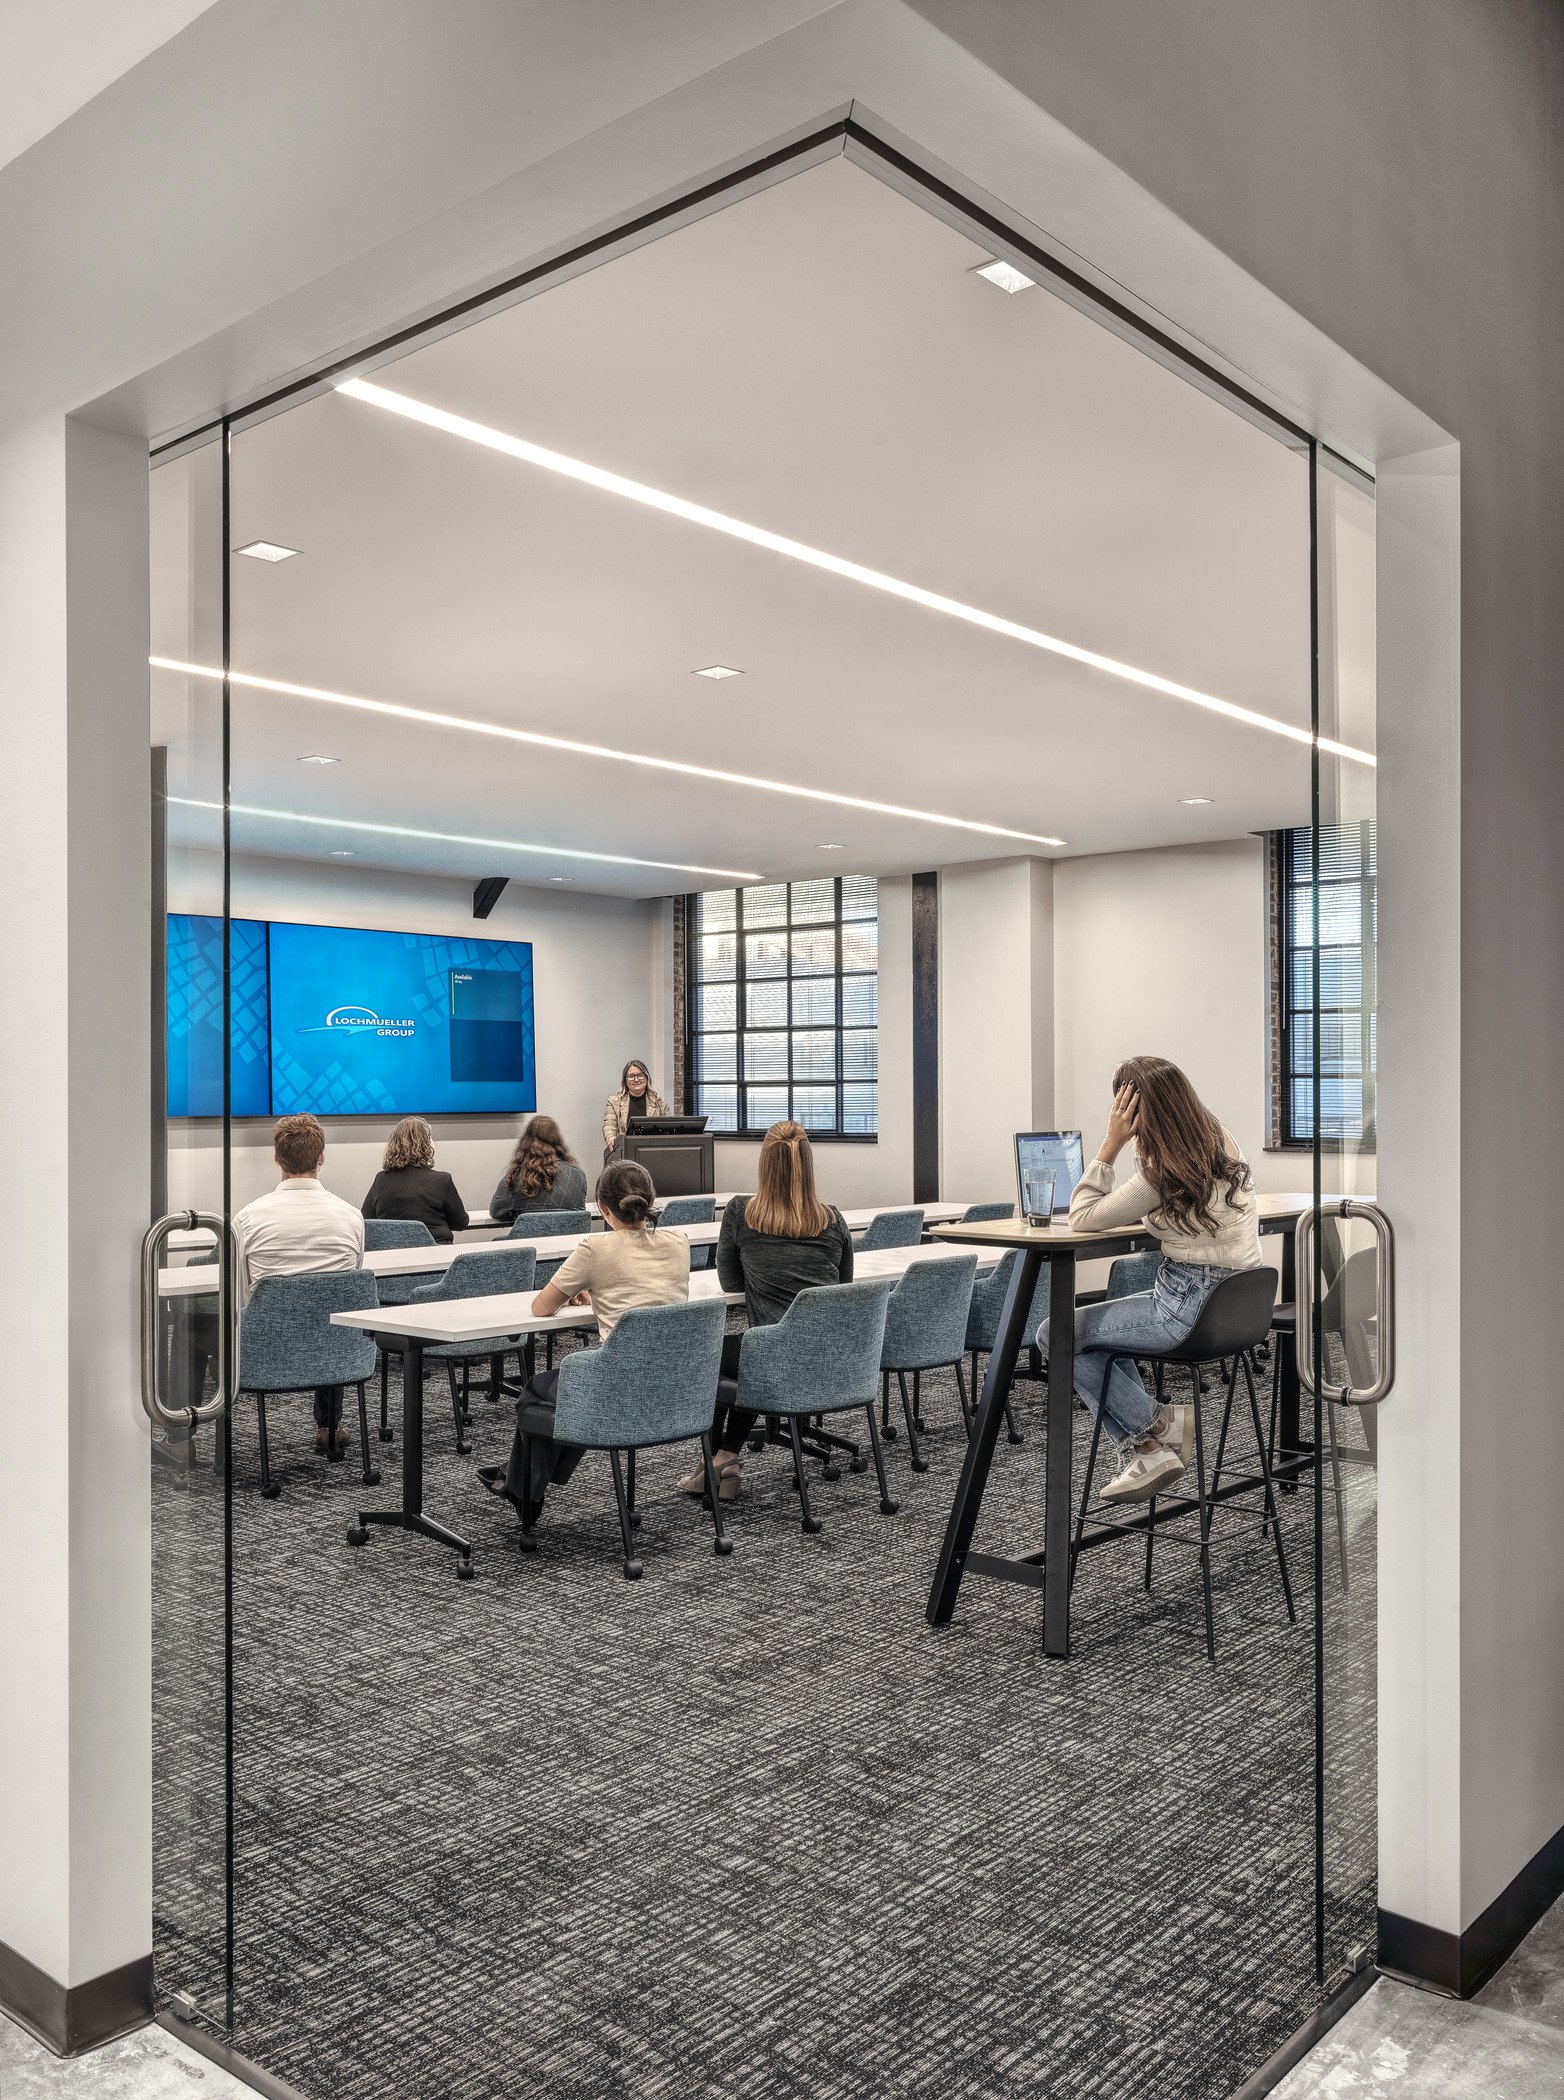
(1191, 1187)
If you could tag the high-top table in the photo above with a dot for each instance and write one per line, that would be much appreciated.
(475, 1319)
(1049, 1567)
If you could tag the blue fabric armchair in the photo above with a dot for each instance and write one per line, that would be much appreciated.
(822, 1357)
(380, 1233)
(925, 1329)
(988, 1302)
(652, 1382)
(691, 1210)
(287, 1344)
(490, 1271)
(986, 1213)
(890, 1228)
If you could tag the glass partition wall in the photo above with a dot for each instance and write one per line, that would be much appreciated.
(601, 675)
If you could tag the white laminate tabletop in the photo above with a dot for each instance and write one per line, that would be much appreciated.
(472, 1319)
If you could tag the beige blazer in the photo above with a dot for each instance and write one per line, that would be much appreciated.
(616, 1114)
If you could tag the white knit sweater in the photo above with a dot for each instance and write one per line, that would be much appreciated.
(1096, 1205)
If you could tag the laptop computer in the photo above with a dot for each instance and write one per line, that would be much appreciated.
(1059, 1149)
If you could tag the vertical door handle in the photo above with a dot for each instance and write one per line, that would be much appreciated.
(228, 1318)
(1384, 1301)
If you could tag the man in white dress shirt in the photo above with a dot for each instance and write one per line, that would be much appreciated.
(301, 1226)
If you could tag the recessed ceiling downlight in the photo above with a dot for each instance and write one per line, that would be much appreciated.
(317, 758)
(267, 550)
(1005, 275)
(719, 671)
(1195, 801)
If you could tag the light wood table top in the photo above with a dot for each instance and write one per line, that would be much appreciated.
(1015, 1232)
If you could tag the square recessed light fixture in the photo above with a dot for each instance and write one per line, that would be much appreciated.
(267, 550)
(1005, 275)
(719, 671)
(1194, 801)
(317, 758)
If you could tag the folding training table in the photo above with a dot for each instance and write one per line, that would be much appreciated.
(1048, 1568)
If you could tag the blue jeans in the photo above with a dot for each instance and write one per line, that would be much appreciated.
(1155, 1319)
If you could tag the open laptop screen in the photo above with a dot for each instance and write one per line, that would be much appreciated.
(1059, 1149)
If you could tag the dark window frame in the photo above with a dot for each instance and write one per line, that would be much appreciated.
(746, 1133)
(1288, 860)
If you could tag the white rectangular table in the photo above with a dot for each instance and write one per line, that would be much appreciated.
(476, 1319)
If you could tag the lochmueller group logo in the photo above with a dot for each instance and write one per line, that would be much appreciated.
(361, 1020)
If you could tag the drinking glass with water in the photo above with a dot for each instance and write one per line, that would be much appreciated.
(1037, 1194)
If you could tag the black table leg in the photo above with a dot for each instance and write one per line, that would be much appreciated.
(1008, 1344)
(1059, 1461)
(410, 1517)
(1289, 1425)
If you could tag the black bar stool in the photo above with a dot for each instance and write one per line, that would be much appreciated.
(1233, 1320)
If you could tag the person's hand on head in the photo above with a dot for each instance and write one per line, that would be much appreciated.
(1121, 1123)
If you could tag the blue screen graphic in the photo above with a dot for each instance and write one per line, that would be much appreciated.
(367, 1023)
(342, 1021)
(195, 1007)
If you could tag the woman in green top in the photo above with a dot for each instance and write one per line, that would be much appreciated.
(774, 1244)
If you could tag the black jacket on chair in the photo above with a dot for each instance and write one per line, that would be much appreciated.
(422, 1193)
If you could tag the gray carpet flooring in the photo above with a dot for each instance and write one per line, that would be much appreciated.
(749, 1829)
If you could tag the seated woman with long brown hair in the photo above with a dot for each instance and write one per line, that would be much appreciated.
(1192, 1188)
(543, 1174)
(773, 1245)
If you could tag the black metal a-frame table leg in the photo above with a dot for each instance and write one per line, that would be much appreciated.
(1008, 1344)
(411, 1517)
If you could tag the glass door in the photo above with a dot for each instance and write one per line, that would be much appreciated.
(184, 1285)
(1345, 1304)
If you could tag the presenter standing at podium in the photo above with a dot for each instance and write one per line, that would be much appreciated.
(634, 1100)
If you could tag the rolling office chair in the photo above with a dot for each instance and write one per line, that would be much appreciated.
(925, 1330)
(287, 1344)
(394, 1290)
(493, 1271)
(988, 1302)
(1235, 1316)
(890, 1228)
(822, 1357)
(650, 1383)
(985, 1213)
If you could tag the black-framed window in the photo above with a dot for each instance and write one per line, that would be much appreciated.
(782, 1007)
(1346, 1020)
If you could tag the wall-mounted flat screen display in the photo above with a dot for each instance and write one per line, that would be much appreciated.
(195, 1014)
(344, 1021)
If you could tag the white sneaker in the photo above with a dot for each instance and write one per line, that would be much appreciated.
(1146, 1473)
(1179, 1433)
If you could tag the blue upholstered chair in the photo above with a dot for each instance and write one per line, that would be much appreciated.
(890, 1228)
(985, 1213)
(821, 1358)
(380, 1233)
(650, 1383)
(1133, 1273)
(988, 1302)
(691, 1210)
(287, 1344)
(925, 1330)
(492, 1271)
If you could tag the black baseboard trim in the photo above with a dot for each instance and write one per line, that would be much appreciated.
(1460, 1966)
(68, 2021)
(1314, 2029)
(226, 2059)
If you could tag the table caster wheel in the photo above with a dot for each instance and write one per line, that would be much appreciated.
(810, 1524)
(889, 1508)
(920, 1465)
(830, 1472)
(632, 1571)
(723, 1546)
(858, 1465)
(357, 1535)
(465, 1571)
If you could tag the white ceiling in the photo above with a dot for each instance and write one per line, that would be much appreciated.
(58, 54)
(817, 360)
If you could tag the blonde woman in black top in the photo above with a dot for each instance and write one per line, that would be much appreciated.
(774, 1244)
(409, 1185)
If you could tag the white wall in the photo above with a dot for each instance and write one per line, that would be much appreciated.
(598, 984)
(996, 1020)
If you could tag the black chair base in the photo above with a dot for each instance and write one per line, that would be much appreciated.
(624, 1500)
(269, 1487)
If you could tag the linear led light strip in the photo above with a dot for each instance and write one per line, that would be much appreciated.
(562, 743)
(795, 550)
(456, 838)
